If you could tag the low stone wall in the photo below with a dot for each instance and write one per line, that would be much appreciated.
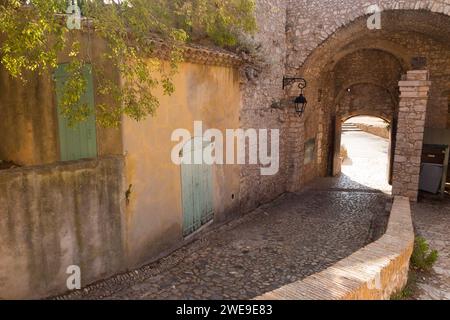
(382, 132)
(375, 272)
(55, 216)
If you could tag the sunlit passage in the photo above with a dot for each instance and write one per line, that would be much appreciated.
(365, 152)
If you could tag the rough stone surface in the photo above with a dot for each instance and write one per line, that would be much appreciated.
(259, 92)
(413, 107)
(280, 243)
(310, 23)
(352, 70)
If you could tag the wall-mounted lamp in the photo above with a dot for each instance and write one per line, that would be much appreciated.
(300, 102)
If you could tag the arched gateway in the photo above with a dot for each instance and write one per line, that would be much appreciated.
(400, 73)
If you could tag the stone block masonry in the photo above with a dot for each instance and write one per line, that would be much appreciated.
(410, 132)
(258, 94)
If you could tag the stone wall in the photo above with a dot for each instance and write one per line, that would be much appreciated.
(410, 133)
(56, 216)
(259, 92)
(366, 100)
(312, 22)
(352, 70)
(375, 272)
(448, 110)
(382, 132)
(366, 84)
(437, 55)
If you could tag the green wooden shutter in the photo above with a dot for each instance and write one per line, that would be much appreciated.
(197, 192)
(80, 141)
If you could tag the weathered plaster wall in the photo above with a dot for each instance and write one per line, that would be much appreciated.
(28, 111)
(55, 216)
(27, 120)
(155, 215)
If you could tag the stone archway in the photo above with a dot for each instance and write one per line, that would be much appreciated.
(325, 20)
(354, 70)
(365, 151)
(369, 99)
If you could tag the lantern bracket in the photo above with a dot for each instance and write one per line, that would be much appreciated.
(288, 81)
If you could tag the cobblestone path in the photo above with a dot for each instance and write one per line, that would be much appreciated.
(432, 221)
(282, 242)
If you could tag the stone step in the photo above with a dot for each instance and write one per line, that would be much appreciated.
(349, 127)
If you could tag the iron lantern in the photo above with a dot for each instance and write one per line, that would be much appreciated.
(300, 102)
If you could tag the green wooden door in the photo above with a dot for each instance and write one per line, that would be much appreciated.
(79, 141)
(196, 189)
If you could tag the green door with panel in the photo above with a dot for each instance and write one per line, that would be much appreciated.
(79, 141)
(196, 188)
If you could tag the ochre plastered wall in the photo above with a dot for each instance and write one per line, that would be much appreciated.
(27, 120)
(56, 216)
(28, 113)
(154, 215)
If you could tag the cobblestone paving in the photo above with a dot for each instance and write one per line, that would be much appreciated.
(432, 221)
(285, 241)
